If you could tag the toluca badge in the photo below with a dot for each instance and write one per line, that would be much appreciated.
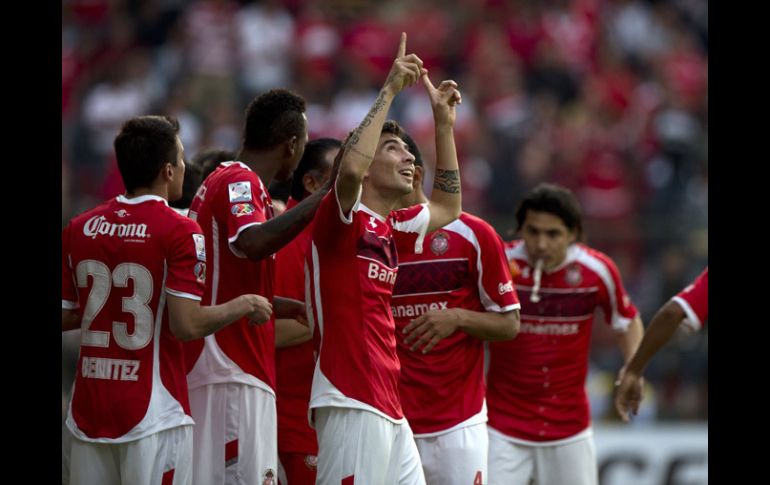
(439, 243)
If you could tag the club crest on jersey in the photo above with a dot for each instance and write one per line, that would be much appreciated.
(311, 461)
(269, 477)
(240, 210)
(200, 246)
(574, 276)
(122, 213)
(200, 272)
(439, 243)
(240, 191)
(525, 272)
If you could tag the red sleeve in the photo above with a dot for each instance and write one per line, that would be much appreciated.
(617, 306)
(186, 260)
(241, 204)
(494, 277)
(69, 291)
(694, 300)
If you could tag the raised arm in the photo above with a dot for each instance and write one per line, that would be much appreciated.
(360, 147)
(445, 202)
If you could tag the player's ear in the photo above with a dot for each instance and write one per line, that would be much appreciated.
(168, 171)
(292, 145)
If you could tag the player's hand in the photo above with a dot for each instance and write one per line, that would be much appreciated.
(628, 394)
(405, 71)
(260, 308)
(429, 328)
(443, 100)
(290, 308)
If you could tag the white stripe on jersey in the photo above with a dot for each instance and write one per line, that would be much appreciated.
(465, 231)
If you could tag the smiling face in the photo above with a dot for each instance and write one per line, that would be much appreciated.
(392, 170)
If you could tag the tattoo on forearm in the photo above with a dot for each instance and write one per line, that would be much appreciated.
(447, 181)
(379, 103)
(352, 148)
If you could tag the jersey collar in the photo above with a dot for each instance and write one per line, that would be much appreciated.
(243, 165)
(138, 200)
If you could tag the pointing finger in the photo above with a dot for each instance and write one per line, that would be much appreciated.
(402, 45)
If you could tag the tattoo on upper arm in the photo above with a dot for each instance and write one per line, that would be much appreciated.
(447, 181)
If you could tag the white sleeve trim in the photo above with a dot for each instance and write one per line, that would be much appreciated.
(418, 225)
(691, 321)
(621, 324)
(349, 218)
(182, 294)
(232, 240)
(69, 305)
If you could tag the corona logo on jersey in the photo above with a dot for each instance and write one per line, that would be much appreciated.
(100, 226)
(269, 477)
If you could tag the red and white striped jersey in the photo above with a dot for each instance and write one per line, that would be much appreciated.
(352, 265)
(536, 382)
(294, 365)
(463, 265)
(694, 300)
(229, 201)
(118, 262)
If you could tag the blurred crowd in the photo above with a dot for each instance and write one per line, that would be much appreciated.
(606, 97)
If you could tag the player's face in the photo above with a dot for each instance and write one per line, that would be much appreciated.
(546, 237)
(392, 170)
(175, 189)
(299, 149)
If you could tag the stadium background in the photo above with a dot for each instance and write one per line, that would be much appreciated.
(607, 97)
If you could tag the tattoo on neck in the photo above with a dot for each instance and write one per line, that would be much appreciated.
(447, 181)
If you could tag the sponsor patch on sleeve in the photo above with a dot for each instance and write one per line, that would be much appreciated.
(200, 272)
(240, 210)
(200, 246)
(240, 191)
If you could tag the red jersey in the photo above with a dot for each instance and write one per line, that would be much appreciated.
(230, 200)
(694, 300)
(463, 266)
(353, 264)
(536, 382)
(118, 262)
(294, 365)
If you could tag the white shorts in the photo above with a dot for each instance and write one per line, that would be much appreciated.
(361, 447)
(235, 434)
(161, 458)
(511, 463)
(458, 457)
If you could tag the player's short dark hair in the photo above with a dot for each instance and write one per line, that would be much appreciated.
(273, 118)
(192, 180)
(312, 161)
(556, 200)
(142, 147)
(412, 148)
(209, 159)
(390, 126)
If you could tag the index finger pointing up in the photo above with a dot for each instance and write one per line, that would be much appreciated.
(402, 46)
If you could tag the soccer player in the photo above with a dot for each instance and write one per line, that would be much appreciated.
(363, 436)
(539, 420)
(690, 308)
(133, 272)
(294, 357)
(231, 374)
(446, 302)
